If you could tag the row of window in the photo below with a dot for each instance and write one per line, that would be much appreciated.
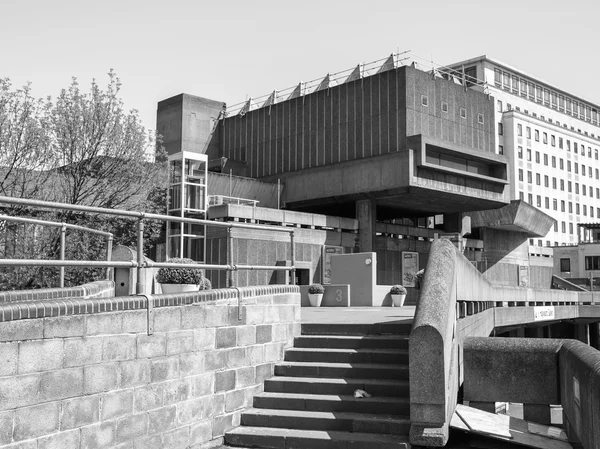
(561, 164)
(556, 182)
(463, 111)
(591, 263)
(545, 96)
(563, 205)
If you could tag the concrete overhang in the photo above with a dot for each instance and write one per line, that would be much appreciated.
(411, 181)
(518, 216)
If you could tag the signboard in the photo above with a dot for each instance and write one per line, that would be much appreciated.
(329, 251)
(410, 266)
(523, 276)
(543, 313)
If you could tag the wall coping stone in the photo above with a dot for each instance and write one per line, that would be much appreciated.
(21, 310)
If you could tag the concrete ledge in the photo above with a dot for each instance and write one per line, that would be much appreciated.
(97, 289)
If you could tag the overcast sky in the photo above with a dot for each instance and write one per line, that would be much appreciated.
(229, 50)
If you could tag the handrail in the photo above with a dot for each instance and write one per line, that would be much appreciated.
(63, 237)
(141, 263)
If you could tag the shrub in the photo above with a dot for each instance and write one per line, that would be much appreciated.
(316, 289)
(180, 275)
(398, 290)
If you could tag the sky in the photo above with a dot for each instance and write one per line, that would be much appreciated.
(231, 50)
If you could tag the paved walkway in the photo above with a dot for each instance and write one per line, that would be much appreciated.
(357, 315)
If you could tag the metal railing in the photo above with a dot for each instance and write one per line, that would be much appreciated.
(140, 264)
(215, 200)
(63, 239)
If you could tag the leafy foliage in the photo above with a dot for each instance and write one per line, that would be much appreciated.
(316, 289)
(180, 275)
(398, 290)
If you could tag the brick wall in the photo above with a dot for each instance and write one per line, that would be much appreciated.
(92, 379)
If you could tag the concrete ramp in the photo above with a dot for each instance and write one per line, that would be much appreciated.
(507, 428)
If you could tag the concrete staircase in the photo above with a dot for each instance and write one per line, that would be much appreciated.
(310, 402)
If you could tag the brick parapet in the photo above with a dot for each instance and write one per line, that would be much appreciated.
(97, 289)
(98, 380)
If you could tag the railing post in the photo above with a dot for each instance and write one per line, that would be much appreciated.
(230, 256)
(140, 286)
(109, 271)
(293, 257)
(63, 238)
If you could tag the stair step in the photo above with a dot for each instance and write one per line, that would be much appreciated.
(313, 420)
(352, 341)
(345, 355)
(391, 328)
(311, 439)
(333, 403)
(343, 386)
(362, 370)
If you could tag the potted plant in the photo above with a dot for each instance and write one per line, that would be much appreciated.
(178, 280)
(398, 293)
(315, 294)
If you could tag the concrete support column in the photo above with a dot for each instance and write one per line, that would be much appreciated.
(539, 413)
(582, 333)
(489, 407)
(366, 214)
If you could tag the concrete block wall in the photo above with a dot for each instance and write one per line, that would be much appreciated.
(98, 380)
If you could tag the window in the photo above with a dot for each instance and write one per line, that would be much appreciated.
(424, 100)
(570, 228)
(591, 212)
(537, 157)
(597, 194)
(546, 97)
(538, 179)
(520, 174)
(582, 170)
(569, 186)
(515, 84)
(589, 152)
(537, 135)
(444, 106)
(500, 149)
(545, 140)
(539, 201)
(530, 198)
(568, 105)
(568, 165)
(498, 78)
(555, 204)
(499, 108)
(575, 147)
(597, 173)
(556, 226)
(596, 154)
(562, 185)
(553, 100)
(561, 103)
(520, 152)
(546, 181)
(554, 183)
(568, 145)
(545, 159)
(576, 188)
(565, 264)
(528, 129)
(563, 227)
(538, 94)
(577, 210)
(500, 129)
(583, 189)
(519, 130)
(531, 91)
(584, 209)
(480, 118)
(529, 154)
(521, 196)
(592, 262)
(553, 161)
(552, 140)
(562, 205)
(576, 166)
(570, 207)
(560, 143)
(547, 202)
(463, 113)
(562, 164)
(529, 176)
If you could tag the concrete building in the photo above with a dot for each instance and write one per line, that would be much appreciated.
(551, 138)
(406, 153)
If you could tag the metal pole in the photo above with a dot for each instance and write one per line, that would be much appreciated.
(140, 286)
(230, 174)
(293, 257)
(109, 244)
(63, 237)
(230, 257)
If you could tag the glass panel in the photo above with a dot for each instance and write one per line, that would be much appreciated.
(194, 197)
(175, 172)
(194, 229)
(175, 197)
(195, 171)
(173, 247)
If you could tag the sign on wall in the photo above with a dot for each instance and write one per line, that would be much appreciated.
(329, 251)
(410, 266)
(523, 276)
(543, 313)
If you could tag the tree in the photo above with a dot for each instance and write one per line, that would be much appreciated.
(84, 149)
(25, 150)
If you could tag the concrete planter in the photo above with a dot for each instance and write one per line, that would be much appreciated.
(398, 300)
(178, 288)
(315, 299)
